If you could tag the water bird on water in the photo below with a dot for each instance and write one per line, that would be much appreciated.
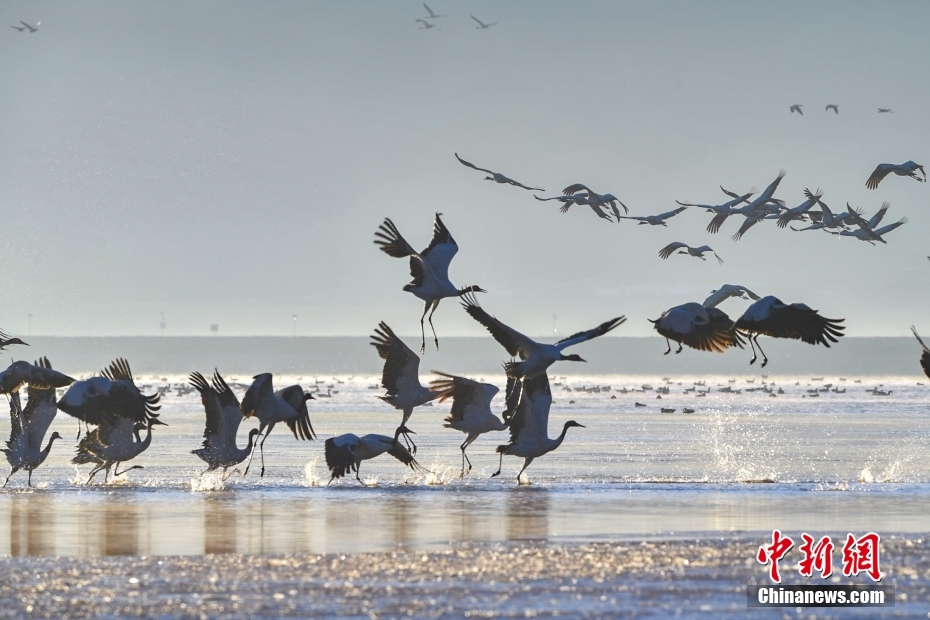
(529, 428)
(270, 407)
(429, 268)
(223, 419)
(400, 376)
(345, 453)
(114, 403)
(28, 426)
(536, 357)
(471, 407)
(497, 177)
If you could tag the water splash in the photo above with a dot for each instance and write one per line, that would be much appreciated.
(209, 481)
(310, 475)
(866, 476)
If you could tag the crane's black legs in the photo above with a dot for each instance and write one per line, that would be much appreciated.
(668, 346)
(765, 360)
(465, 459)
(357, 468)
(435, 338)
(499, 466)
(120, 473)
(423, 328)
(29, 481)
(526, 463)
(753, 347)
(679, 349)
(12, 471)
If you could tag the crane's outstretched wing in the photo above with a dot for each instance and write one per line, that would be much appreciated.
(469, 164)
(600, 330)
(340, 455)
(670, 249)
(401, 365)
(516, 343)
(880, 172)
(442, 249)
(925, 357)
(771, 317)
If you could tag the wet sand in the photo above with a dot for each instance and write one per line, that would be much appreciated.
(663, 578)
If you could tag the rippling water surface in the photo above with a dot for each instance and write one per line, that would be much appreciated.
(742, 462)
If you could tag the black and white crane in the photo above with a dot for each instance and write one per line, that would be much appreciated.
(702, 326)
(28, 426)
(529, 428)
(772, 317)
(654, 220)
(223, 420)
(761, 202)
(684, 248)
(725, 207)
(429, 268)
(400, 376)
(497, 177)
(271, 407)
(907, 169)
(536, 357)
(114, 403)
(796, 108)
(577, 199)
(799, 213)
(925, 356)
(594, 199)
(6, 341)
(471, 407)
(345, 453)
(482, 25)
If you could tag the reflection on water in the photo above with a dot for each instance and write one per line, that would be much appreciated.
(131, 521)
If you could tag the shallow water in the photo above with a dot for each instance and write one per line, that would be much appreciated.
(741, 463)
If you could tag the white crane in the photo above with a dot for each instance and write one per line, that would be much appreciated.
(536, 357)
(800, 212)
(577, 199)
(429, 269)
(832, 106)
(702, 326)
(400, 376)
(595, 199)
(654, 220)
(867, 230)
(762, 201)
(471, 407)
(907, 169)
(270, 407)
(345, 453)
(223, 420)
(684, 248)
(482, 25)
(772, 317)
(497, 177)
(825, 220)
(925, 357)
(115, 404)
(28, 427)
(796, 108)
(430, 11)
(426, 25)
(529, 428)
(31, 29)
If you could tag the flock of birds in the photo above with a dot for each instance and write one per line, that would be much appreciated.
(119, 412)
(832, 106)
(427, 25)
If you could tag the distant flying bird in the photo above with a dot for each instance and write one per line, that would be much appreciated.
(20, 28)
(867, 230)
(907, 169)
(426, 24)
(702, 326)
(497, 177)
(577, 199)
(400, 376)
(471, 407)
(797, 108)
(762, 202)
(800, 212)
(595, 199)
(825, 219)
(529, 428)
(28, 426)
(722, 208)
(430, 11)
(481, 24)
(345, 453)
(536, 357)
(429, 269)
(6, 341)
(684, 248)
(925, 358)
(223, 420)
(31, 28)
(772, 317)
(834, 107)
(270, 407)
(654, 220)
(885, 110)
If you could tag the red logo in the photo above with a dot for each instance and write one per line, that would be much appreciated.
(774, 552)
(860, 555)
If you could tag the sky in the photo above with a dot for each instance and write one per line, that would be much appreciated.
(229, 162)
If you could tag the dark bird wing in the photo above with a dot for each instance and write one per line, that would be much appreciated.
(880, 172)
(295, 397)
(467, 163)
(340, 455)
(217, 422)
(442, 249)
(393, 244)
(670, 249)
(530, 421)
(399, 452)
(717, 222)
(924, 358)
(40, 409)
(771, 317)
(600, 330)
(469, 398)
(577, 187)
(682, 324)
(516, 343)
(401, 365)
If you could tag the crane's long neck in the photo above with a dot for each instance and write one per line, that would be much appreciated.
(145, 443)
(48, 447)
(558, 441)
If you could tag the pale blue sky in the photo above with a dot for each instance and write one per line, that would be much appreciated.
(228, 163)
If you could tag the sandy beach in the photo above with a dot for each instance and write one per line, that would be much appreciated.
(680, 578)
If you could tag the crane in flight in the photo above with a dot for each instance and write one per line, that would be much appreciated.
(497, 177)
(482, 25)
(907, 169)
(345, 453)
(703, 326)
(797, 108)
(684, 248)
(654, 220)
